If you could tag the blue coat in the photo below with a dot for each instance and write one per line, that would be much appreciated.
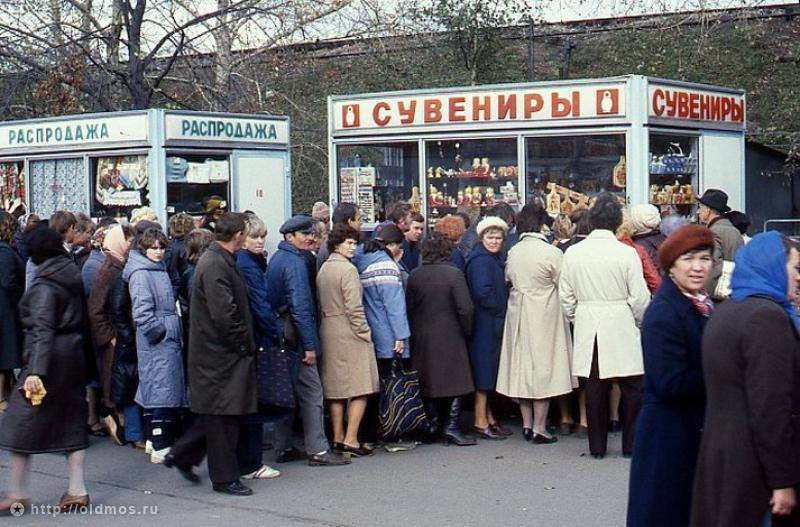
(158, 334)
(411, 256)
(487, 287)
(384, 302)
(289, 285)
(90, 268)
(253, 269)
(671, 417)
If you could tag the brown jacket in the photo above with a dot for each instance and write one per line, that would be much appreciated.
(98, 304)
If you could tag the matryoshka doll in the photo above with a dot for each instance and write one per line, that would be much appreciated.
(476, 196)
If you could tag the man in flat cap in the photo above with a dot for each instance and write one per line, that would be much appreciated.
(727, 238)
(291, 294)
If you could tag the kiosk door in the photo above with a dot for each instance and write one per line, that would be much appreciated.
(261, 185)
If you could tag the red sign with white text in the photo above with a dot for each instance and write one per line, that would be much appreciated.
(396, 112)
(683, 104)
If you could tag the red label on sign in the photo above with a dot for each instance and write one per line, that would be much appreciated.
(351, 116)
(607, 101)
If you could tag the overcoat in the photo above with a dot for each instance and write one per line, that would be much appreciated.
(12, 286)
(125, 363)
(603, 293)
(222, 360)
(750, 435)
(727, 240)
(441, 312)
(348, 357)
(99, 311)
(53, 318)
(537, 346)
(158, 334)
(487, 286)
(671, 417)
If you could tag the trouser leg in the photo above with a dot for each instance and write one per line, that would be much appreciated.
(248, 449)
(222, 435)
(309, 399)
(161, 429)
(631, 389)
(190, 449)
(597, 390)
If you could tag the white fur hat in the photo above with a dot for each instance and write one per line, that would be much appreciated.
(644, 218)
(491, 222)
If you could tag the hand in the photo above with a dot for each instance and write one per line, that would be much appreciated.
(783, 501)
(33, 384)
(399, 345)
(113, 343)
(310, 358)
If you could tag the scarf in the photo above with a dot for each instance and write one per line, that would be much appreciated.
(115, 243)
(702, 303)
(761, 270)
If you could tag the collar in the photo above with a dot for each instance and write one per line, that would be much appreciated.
(676, 298)
(601, 234)
(533, 236)
(337, 256)
(288, 247)
(217, 248)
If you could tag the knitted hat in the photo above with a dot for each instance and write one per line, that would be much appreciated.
(320, 211)
(491, 222)
(644, 218)
(685, 239)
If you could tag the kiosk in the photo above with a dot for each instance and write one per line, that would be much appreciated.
(647, 140)
(172, 161)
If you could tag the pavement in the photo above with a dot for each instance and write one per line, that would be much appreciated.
(495, 483)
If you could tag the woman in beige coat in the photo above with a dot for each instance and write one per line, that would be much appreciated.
(535, 356)
(349, 371)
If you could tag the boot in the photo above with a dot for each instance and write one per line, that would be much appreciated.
(434, 424)
(452, 432)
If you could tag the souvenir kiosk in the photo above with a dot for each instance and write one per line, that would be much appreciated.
(646, 140)
(108, 164)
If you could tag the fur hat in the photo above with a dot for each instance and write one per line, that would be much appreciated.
(491, 222)
(681, 241)
(644, 218)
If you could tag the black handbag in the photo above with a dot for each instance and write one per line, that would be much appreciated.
(400, 409)
(287, 328)
(275, 374)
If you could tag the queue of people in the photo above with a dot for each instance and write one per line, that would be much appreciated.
(523, 307)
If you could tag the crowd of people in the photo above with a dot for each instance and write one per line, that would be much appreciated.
(171, 340)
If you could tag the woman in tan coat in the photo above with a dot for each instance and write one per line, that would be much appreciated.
(349, 370)
(535, 356)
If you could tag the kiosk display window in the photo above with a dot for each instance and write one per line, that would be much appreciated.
(119, 184)
(673, 171)
(191, 180)
(470, 173)
(12, 185)
(567, 172)
(373, 176)
(58, 184)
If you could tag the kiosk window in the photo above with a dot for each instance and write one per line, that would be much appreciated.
(673, 172)
(119, 184)
(377, 175)
(470, 173)
(58, 184)
(566, 172)
(12, 185)
(192, 180)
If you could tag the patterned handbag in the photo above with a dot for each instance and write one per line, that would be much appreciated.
(275, 373)
(400, 409)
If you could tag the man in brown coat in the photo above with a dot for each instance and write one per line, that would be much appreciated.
(727, 238)
(222, 362)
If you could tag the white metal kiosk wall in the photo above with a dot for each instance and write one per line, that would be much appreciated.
(108, 164)
(647, 140)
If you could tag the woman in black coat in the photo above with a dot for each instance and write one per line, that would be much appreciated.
(673, 399)
(12, 285)
(50, 413)
(440, 312)
(748, 464)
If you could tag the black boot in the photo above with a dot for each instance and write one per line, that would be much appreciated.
(452, 432)
(434, 424)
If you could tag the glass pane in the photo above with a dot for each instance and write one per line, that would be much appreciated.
(119, 184)
(192, 180)
(376, 175)
(673, 172)
(12, 186)
(470, 173)
(58, 184)
(567, 172)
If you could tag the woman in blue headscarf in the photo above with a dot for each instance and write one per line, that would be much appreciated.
(749, 462)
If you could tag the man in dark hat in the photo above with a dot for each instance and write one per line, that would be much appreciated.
(727, 238)
(291, 295)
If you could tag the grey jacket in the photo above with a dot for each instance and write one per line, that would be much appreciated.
(727, 240)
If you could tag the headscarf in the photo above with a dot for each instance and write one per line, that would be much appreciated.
(761, 270)
(115, 243)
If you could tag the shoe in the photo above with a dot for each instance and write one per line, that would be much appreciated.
(614, 426)
(70, 503)
(497, 428)
(452, 431)
(434, 424)
(263, 472)
(97, 430)
(359, 451)
(157, 457)
(115, 431)
(539, 439)
(598, 456)
(234, 488)
(184, 470)
(139, 445)
(287, 456)
(327, 458)
(488, 433)
(148, 447)
(565, 429)
(371, 446)
(14, 507)
(399, 446)
(527, 433)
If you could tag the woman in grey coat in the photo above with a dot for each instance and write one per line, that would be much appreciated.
(162, 389)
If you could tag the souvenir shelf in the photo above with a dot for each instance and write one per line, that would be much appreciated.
(673, 170)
